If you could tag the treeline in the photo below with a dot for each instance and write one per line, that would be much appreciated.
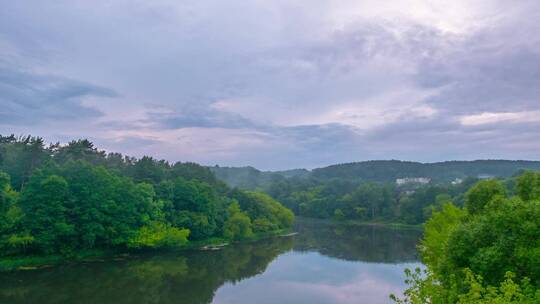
(367, 191)
(378, 171)
(390, 170)
(69, 198)
(486, 252)
(253, 179)
(343, 199)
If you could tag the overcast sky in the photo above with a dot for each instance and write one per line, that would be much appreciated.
(276, 84)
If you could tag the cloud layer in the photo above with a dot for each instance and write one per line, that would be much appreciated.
(276, 84)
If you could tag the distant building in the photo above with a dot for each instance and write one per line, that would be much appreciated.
(457, 181)
(485, 176)
(413, 180)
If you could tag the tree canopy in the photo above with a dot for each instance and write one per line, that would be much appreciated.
(487, 252)
(61, 199)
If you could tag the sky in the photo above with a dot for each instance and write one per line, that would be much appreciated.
(276, 84)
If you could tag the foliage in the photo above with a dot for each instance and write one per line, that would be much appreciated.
(67, 199)
(507, 292)
(482, 193)
(425, 288)
(528, 187)
(9, 213)
(437, 230)
(389, 170)
(488, 252)
(379, 171)
(157, 235)
(366, 201)
(238, 225)
(503, 238)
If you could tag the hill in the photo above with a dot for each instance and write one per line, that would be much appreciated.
(390, 170)
(377, 171)
(251, 178)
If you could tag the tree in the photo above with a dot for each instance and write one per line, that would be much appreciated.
(238, 225)
(44, 202)
(10, 216)
(149, 170)
(437, 231)
(260, 205)
(156, 235)
(527, 186)
(77, 150)
(487, 253)
(482, 193)
(75, 197)
(502, 238)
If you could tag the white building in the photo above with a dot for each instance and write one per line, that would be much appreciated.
(413, 180)
(457, 181)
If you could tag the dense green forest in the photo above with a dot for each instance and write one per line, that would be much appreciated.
(381, 171)
(367, 191)
(485, 252)
(63, 199)
(389, 171)
(366, 201)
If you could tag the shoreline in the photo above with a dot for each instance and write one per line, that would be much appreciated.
(35, 262)
(363, 223)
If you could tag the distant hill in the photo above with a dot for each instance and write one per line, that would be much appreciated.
(377, 171)
(390, 170)
(251, 178)
(293, 173)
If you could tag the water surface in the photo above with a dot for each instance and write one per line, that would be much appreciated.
(324, 263)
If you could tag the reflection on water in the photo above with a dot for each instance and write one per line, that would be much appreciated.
(324, 263)
(357, 242)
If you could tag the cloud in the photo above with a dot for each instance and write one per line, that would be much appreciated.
(276, 84)
(203, 117)
(490, 118)
(29, 98)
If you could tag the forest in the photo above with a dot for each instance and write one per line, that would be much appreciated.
(487, 251)
(343, 200)
(378, 171)
(368, 192)
(64, 199)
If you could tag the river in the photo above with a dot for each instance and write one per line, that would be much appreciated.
(325, 263)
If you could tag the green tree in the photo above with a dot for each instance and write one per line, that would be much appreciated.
(437, 231)
(10, 217)
(482, 193)
(238, 225)
(527, 186)
(75, 197)
(158, 235)
(486, 253)
(44, 202)
(260, 205)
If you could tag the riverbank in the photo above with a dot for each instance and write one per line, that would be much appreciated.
(216, 243)
(363, 223)
(96, 255)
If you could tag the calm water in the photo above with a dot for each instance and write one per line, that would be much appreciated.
(324, 263)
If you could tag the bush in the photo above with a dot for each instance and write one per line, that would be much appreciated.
(158, 235)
